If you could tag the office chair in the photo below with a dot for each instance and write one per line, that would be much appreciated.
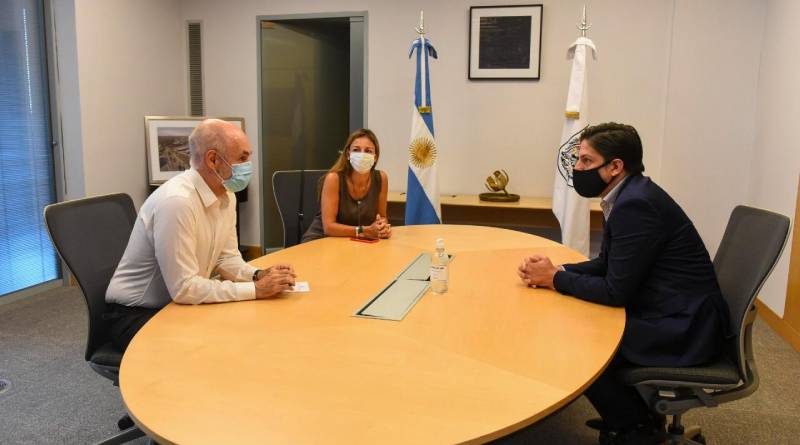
(297, 196)
(90, 235)
(752, 243)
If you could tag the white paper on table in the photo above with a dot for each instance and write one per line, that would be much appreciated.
(300, 286)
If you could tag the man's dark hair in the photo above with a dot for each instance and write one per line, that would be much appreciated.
(616, 141)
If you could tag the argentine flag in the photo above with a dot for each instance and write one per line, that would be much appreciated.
(422, 200)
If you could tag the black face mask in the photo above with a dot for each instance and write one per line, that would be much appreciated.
(589, 183)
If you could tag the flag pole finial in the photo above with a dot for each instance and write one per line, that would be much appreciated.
(584, 26)
(421, 28)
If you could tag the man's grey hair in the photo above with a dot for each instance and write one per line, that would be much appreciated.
(211, 133)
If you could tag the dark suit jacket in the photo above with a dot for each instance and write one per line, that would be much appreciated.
(653, 263)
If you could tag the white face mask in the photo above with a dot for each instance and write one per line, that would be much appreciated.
(362, 162)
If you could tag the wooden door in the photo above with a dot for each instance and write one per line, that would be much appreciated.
(792, 310)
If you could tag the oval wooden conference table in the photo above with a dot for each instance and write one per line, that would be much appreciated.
(486, 358)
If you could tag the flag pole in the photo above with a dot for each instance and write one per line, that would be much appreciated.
(423, 107)
(584, 26)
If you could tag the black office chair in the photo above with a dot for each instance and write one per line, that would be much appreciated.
(297, 196)
(752, 243)
(90, 235)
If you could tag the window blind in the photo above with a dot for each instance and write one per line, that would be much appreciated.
(27, 184)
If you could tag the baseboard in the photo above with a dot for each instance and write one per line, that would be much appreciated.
(779, 325)
(30, 291)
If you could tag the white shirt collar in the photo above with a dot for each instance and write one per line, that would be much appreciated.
(607, 202)
(206, 195)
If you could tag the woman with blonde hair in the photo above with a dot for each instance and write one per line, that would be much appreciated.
(353, 197)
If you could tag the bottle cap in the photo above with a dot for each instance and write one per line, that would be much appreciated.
(440, 243)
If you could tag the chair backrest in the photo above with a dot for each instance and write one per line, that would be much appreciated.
(297, 196)
(90, 235)
(752, 243)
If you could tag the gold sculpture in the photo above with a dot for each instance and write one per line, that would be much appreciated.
(497, 183)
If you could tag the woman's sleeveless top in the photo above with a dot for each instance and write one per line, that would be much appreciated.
(352, 212)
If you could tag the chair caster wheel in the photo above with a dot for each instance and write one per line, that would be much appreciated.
(126, 422)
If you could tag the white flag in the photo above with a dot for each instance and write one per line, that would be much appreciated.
(571, 209)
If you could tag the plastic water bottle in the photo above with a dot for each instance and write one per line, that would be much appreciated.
(439, 263)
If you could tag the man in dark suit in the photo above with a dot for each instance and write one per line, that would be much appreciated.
(653, 263)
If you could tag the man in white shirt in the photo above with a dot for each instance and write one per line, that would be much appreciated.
(185, 233)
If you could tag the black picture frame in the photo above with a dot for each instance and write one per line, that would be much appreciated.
(505, 42)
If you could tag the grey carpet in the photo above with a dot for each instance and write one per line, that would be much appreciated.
(55, 398)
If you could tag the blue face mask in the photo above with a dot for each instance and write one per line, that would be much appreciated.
(240, 176)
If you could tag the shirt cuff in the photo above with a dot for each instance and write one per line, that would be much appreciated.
(252, 270)
(561, 268)
(245, 290)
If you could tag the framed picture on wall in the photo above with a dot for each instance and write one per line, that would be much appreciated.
(167, 144)
(505, 42)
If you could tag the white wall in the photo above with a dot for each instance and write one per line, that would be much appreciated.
(131, 64)
(69, 98)
(710, 116)
(775, 163)
(480, 126)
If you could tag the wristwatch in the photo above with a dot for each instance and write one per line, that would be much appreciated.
(255, 274)
(359, 231)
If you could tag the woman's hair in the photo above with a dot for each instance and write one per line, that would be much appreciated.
(343, 163)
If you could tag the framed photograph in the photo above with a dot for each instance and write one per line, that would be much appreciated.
(505, 42)
(167, 144)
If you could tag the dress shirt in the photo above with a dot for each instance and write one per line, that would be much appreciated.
(184, 234)
(607, 203)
